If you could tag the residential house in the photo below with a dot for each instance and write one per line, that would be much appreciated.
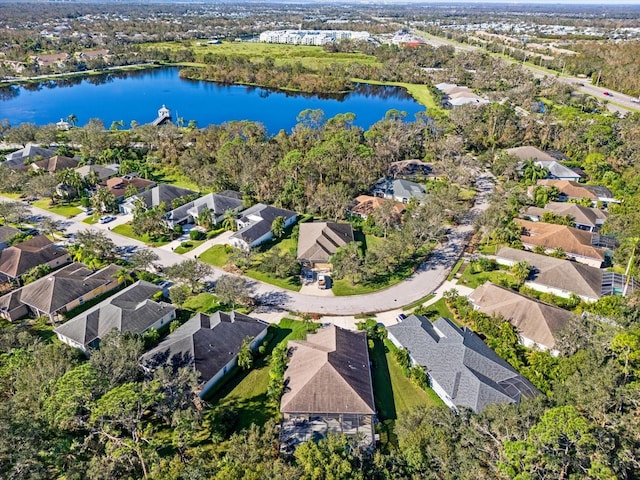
(6, 234)
(18, 259)
(584, 218)
(399, 190)
(58, 292)
(317, 241)
(209, 344)
(153, 197)
(557, 171)
(570, 190)
(456, 96)
(462, 369)
(254, 225)
(217, 203)
(129, 311)
(414, 168)
(93, 54)
(19, 159)
(118, 185)
(50, 60)
(577, 244)
(565, 278)
(328, 388)
(102, 172)
(54, 164)
(365, 205)
(537, 323)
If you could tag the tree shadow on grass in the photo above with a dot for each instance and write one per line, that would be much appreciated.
(382, 388)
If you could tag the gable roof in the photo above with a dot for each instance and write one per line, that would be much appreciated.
(263, 215)
(216, 203)
(580, 214)
(118, 185)
(571, 240)
(557, 170)
(329, 373)
(206, 342)
(103, 171)
(534, 320)
(129, 310)
(558, 273)
(317, 241)
(573, 189)
(161, 193)
(398, 187)
(366, 204)
(21, 257)
(30, 151)
(55, 164)
(52, 292)
(470, 373)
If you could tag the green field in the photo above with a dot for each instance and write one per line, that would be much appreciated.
(308, 56)
(126, 230)
(63, 210)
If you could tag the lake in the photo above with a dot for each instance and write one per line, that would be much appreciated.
(138, 96)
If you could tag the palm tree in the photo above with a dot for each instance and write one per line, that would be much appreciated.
(229, 221)
(123, 275)
(277, 226)
(72, 119)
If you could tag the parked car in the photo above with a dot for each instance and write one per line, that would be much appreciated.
(608, 94)
(401, 317)
(323, 282)
(106, 219)
(635, 100)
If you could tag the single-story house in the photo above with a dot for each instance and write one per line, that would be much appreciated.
(365, 205)
(570, 190)
(456, 96)
(577, 244)
(461, 368)
(328, 388)
(55, 164)
(564, 278)
(217, 203)
(317, 241)
(129, 311)
(163, 193)
(537, 322)
(6, 234)
(414, 167)
(399, 190)
(18, 259)
(254, 225)
(102, 172)
(18, 159)
(209, 344)
(58, 292)
(584, 218)
(557, 171)
(118, 185)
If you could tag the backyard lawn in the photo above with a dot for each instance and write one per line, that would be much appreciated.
(64, 210)
(474, 280)
(245, 393)
(126, 230)
(438, 309)
(203, 302)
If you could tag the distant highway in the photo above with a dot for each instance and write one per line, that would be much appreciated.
(616, 101)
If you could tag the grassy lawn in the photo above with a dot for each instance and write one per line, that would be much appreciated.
(455, 269)
(216, 256)
(309, 56)
(289, 283)
(192, 244)
(343, 287)
(418, 302)
(438, 309)
(126, 230)
(91, 220)
(420, 93)
(473, 280)
(203, 302)
(64, 210)
(172, 176)
(11, 195)
(245, 392)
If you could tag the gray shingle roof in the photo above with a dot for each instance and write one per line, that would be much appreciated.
(217, 204)
(30, 151)
(130, 310)
(256, 229)
(317, 241)
(162, 193)
(471, 374)
(400, 188)
(329, 373)
(206, 342)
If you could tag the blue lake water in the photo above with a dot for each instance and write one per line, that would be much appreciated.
(138, 96)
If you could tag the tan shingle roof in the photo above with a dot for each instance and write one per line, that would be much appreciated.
(580, 214)
(317, 241)
(529, 153)
(573, 189)
(534, 320)
(329, 373)
(571, 240)
(18, 259)
(55, 164)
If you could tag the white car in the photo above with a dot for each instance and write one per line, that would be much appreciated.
(106, 219)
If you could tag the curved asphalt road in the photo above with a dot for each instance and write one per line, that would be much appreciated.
(428, 278)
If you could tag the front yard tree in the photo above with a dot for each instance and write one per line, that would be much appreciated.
(49, 226)
(44, 185)
(277, 226)
(97, 245)
(13, 212)
(348, 262)
(104, 201)
(190, 272)
(143, 258)
(232, 290)
(229, 221)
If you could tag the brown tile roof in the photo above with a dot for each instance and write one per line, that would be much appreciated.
(18, 259)
(329, 373)
(366, 204)
(534, 320)
(571, 240)
(118, 185)
(55, 164)
(580, 214)
(573, 189)
(317, 241)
